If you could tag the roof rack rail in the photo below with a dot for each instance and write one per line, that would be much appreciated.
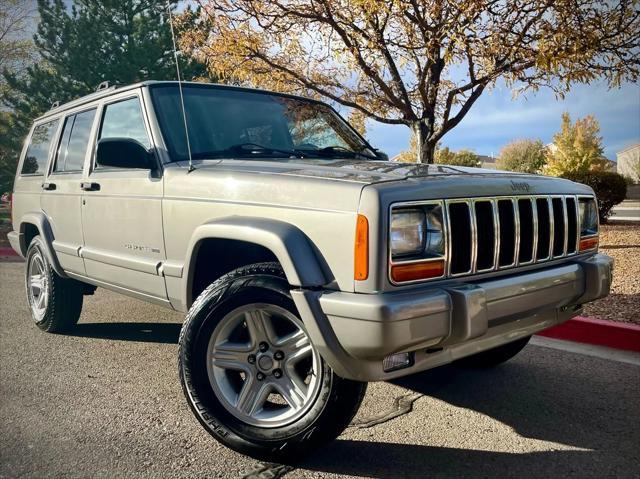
(103, 85)
(55, 104)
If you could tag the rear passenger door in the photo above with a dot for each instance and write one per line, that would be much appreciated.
(122, 211)
(32, 170)
(61, 198)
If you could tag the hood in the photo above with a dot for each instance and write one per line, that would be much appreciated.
(357, 171)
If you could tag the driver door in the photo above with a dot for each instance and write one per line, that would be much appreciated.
(122, 210)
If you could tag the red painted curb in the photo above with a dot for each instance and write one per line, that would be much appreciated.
(611, 334)
(7, 252)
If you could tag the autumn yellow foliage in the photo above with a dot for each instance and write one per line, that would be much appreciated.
(422, 64)
(577, 148)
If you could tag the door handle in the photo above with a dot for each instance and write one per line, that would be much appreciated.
(48, 186)
(88, 186)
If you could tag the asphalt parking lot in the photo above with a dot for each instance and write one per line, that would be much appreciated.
(105, 401)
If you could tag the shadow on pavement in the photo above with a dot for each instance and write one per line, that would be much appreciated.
(392, 461)
(167, 333)
(547, 395)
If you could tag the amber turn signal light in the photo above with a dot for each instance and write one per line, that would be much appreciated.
(361, 250)
(588, 243)
(401, 273)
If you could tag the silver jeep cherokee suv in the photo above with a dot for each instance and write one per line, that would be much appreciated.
(307, 264)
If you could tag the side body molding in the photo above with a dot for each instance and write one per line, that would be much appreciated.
(39, 219)
(288, 243)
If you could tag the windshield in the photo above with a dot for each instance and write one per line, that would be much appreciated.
(228, 123)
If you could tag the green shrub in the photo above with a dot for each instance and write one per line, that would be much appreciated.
(527, 156)
(610, 189)
(445, 156)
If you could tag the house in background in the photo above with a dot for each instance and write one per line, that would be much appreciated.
(627, 161)
(487, 162)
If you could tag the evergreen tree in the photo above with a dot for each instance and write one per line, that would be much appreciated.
(120, 41)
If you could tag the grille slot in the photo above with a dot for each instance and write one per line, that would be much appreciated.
(559, 227)
(572, 225)
(507, 222)
(486, 235)
(525, 212)
(460, 227)
(544, 229)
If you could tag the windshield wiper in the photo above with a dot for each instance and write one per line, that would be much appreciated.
(249, 150)
(256, 148)
(341, 151)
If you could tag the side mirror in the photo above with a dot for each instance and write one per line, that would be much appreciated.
(381, 154)
(123, 153)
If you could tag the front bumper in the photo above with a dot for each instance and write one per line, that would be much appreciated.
(439, 324)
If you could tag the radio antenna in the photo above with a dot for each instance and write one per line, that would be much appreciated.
(184, 113)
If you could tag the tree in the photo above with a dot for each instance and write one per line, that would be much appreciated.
(408, 156)
(460, 158)
(16, 48)
(442, 156)
(16, 53)
(120, 41)
(466, 158)
(577, 148)
(526, 156)
(416, 63)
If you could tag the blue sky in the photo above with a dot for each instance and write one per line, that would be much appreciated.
(496, 118)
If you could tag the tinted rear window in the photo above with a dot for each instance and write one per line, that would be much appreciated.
(75, 139)
(35, 161)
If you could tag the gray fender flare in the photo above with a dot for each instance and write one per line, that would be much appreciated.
(39, 219)
(287, 242)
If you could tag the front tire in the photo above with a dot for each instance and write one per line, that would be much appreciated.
(251, 375)
(494, 357)
(55, 302)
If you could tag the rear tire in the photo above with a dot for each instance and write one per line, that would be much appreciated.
(55, 303)
(494, 357)
(251, 375)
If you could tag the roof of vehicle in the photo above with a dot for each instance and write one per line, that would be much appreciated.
(120, 88)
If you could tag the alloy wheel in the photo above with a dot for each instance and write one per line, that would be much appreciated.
(262, 365)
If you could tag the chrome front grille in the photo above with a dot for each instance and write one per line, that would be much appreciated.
(489, 234)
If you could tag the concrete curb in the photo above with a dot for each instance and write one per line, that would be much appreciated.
(612, 334)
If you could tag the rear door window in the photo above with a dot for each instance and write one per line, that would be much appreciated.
(74, 142)
(35, 161)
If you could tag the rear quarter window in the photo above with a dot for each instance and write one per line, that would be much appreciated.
(37, 156)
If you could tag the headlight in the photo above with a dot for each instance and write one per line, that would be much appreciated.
(434, 244)
(417, 243)
(408, 229)
(588, 216)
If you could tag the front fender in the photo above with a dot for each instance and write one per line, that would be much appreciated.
(288, 243)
